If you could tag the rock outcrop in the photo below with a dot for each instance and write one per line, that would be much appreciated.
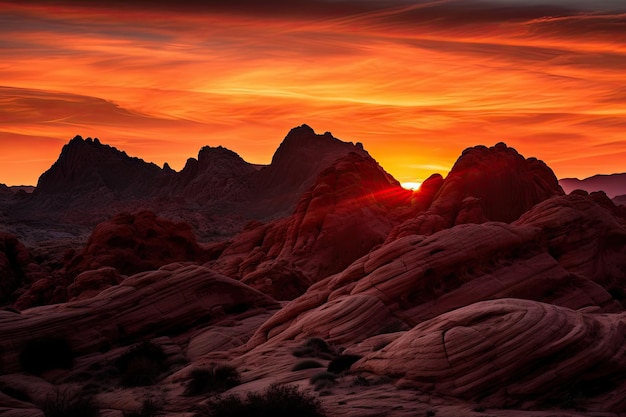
(485, 184)
(149, 304)
(88, 173)
(218, 174)
(295, 166)
(134, 243)
(126, 243)
(350, 209)
(17, 268)
(506, 352)
(417, 277)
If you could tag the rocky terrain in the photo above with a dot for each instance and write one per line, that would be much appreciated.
(490, 292)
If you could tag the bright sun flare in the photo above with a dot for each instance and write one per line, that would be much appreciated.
(411, 185)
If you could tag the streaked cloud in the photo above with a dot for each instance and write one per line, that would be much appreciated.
(415, 81)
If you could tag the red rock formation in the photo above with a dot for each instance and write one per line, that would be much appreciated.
(584, 237)
(295, 166)
(137, 242)
(350, 209)
(495, 184)
(17, 267)
(509, 351)
(217, 174)
(144, 305)
(567, 251)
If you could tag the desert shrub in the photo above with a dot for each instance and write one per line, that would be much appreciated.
(306, 364)
(323, 380)
(149, 408)
(431, 413)
(314, 348)
(41, 355)
(276, 401)
(217, 378)
(361, 381)
(342, 363)
(68, 403)
(142, 365)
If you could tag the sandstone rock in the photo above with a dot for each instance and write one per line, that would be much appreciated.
(144, 305)
(586, 238)
(17, 267)
(348, 211)
(416, 278)
(90, 283)
(136, 242)
(496, 184)
(503, 352)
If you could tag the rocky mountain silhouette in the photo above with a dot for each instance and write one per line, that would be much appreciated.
(489, 289)
(613, 185)
(99, 179)
(90, 173)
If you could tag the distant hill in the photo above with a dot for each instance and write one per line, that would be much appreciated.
(613, 185)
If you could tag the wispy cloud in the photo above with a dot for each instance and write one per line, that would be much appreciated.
(415, 81)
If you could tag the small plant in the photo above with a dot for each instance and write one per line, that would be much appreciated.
(276, 401)
(142, 365)
(149, 408)
(314, 348)
(431, 413)
(306, 364)
(67, 403)
(361, 381)
(217, 378)
(323, 380)
(41, 355)
(342, 363)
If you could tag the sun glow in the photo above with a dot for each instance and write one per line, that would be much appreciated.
(411, 185)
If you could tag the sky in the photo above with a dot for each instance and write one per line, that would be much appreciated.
(415, 81)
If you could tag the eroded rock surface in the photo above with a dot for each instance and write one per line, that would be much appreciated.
(507, 351)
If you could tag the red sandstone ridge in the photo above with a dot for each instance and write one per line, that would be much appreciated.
(124, 245)
(485, 184)
(17, 267)
(137, 242)
(350, 209)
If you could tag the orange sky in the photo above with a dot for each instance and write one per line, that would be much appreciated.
(415, 82)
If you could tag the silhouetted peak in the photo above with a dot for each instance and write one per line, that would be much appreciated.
(211, 154)
(302, 131)
(167, 168)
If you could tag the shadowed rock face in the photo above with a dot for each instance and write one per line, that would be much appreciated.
(124, 245)
(217, 174)
(17, 267)
(134, 243)
(297, 162)
(350, 209)
(485, 184)
(97, 171)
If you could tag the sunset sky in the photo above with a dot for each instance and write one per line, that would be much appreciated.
(415, 81)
